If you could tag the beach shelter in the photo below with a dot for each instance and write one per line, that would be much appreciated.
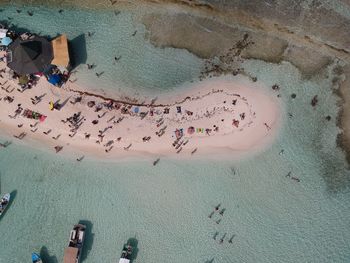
(60, 51)
(6, 41)
(29, 56)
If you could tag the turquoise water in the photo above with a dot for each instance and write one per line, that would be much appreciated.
(142, 68)
(273, 218)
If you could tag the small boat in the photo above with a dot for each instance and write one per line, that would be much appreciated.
(76, 240)
(126, 254)
(36, 258)
(5, 200)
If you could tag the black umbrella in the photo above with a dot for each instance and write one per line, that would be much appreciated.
(29, 56)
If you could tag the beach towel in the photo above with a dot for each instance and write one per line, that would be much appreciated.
(200, 130)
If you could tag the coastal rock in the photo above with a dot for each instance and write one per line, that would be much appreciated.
(203, 37)
(308, 61)
(207, 38)
(344, 117)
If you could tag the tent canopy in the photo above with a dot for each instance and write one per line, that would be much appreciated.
(29, 56)
(60, 51)
(6, 41)
(54, 79)
(3, 32)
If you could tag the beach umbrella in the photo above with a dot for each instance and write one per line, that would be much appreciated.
(54, 79)
(23, 80)
(91, 104)
(190, 130)
(29, 56)
(6, 41)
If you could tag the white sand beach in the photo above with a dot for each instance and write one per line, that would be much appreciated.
(227, 115)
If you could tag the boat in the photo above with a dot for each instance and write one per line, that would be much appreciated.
(5, 200)
(126, 254)
(76, 240)
(36, 258)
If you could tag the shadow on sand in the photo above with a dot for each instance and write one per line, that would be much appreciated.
(77, 51)
(89, 239)
(12, 198)
(45, 256)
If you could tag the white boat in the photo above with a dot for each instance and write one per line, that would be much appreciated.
(76, 240)
(5, 200)
(126, 254)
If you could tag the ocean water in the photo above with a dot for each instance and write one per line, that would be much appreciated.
(142, 68)
(166, 208)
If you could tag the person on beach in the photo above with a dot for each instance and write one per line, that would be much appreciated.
(222, 211)
(231, 239)
(90, 66)
(222, 239)
(267, 126)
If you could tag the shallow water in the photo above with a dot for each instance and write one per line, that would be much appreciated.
(273, 218)
(142, 68)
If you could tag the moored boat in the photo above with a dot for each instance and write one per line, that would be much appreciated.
(126, 254)
(76, 241)
(36, 258)
(5, 200)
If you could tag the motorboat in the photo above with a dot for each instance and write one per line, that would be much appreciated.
(5, 200)
(73, 252)
(126, 254)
